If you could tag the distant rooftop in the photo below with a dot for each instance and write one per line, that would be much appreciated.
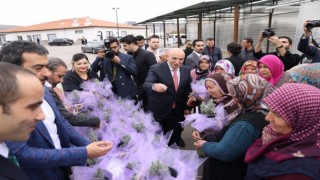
(68, 24)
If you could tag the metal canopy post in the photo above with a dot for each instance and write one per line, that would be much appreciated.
(200, 26)
(178, 32)
(164, 34)
(236, 23)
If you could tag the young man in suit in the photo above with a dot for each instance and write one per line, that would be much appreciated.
(21, 95)
(168, 87)
(143, 60)
(193, 59)
(48, 153)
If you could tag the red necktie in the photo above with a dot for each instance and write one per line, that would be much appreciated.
(176, 83)
(175, 79)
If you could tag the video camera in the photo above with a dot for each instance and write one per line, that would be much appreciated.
(312, 24)
(268, 33)
(108, 51)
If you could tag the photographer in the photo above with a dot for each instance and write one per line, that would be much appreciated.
(118, 68)
(282, 44)
(304, 46)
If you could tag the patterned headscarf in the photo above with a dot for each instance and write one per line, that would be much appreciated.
(248, 90)
(248, 63)
(299, 105)
(203, 73)
(306, 73)
(275, 65)
(220, 80)
(226, 65)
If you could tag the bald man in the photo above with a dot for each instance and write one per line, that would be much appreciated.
(168, 87)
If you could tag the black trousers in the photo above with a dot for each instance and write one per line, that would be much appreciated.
(172, 123)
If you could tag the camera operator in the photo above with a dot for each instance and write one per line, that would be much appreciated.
(118, 68)
(282, 44)
(304, 46)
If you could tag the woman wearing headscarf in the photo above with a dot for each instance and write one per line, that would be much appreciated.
(290, 144)
(79, 73)
(243, 127)
(224, 66)
(306, 73)
(203, 70)
(249, 67)
(198, 75)
(271, 69)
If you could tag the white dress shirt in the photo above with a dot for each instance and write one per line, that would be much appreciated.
(50, 124)
(4, 150)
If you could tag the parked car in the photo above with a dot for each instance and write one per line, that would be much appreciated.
(92, 47)
(61, 41)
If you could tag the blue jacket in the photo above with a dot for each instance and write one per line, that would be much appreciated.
(124, 84)
(38, 156)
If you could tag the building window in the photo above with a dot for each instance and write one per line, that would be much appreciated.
(109, 33)
(20, 38)
(123, 33)
(29, 38)
(78, 31)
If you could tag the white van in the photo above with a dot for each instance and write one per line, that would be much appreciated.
(173, 39)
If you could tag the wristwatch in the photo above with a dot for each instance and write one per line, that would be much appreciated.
(279, 47)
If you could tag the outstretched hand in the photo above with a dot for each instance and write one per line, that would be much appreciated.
(99, 148)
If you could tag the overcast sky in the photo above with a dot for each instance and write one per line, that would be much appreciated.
(30, 12)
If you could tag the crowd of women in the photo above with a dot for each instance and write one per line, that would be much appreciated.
(272, 120)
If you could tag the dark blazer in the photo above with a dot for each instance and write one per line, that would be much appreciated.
(143, 60)
(10, 171)
(237, 62)
(187, 52)
(38, 156)
(71, 81)
(192, 60)
(160, 104)
(312, 51)
(216, 55)
(74, 120)
(124, 84)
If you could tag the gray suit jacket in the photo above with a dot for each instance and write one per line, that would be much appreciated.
(192, 60)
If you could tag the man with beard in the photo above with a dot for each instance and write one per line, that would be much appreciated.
(54, 146)
(57, 70)
(282, 44)
(143, 60)
(193, 59)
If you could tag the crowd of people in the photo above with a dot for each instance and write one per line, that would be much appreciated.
(265, 107)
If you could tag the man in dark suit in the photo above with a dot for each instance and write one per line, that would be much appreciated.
(212, 50)
(168, 84)
(48, 153)
(21, 94)
(118, 69)
(193, 59)
(143, 60)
